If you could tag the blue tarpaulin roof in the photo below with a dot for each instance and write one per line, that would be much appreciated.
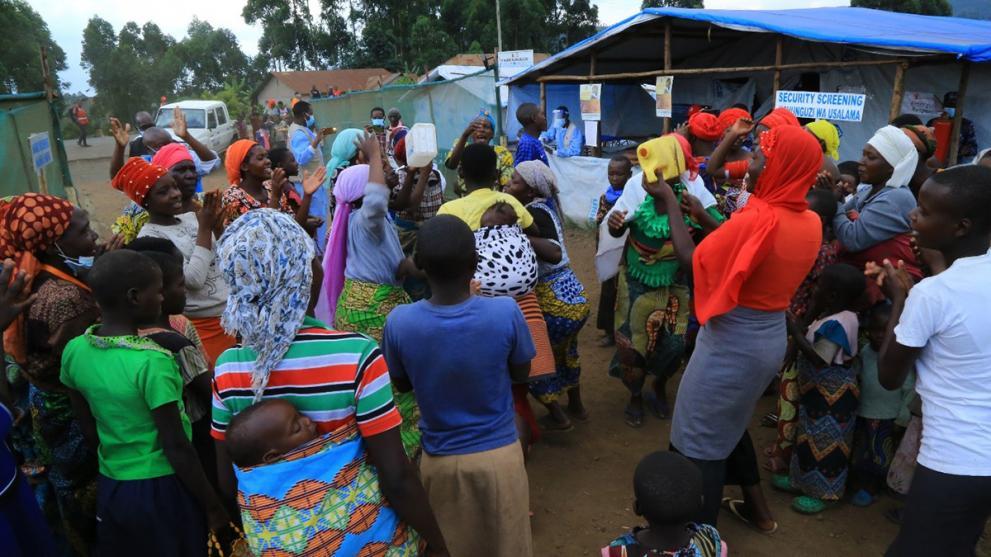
(968, 39)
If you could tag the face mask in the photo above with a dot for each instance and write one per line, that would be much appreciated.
(311, 121)
(950, 111)
(378, 122)
(559, 122)
(76, 264)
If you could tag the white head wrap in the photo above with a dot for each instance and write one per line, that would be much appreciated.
(899, 151)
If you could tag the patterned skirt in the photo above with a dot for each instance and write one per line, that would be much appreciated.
(873, 449)
(362, 308)
(650, 338)
(562, 299)
(826, 416)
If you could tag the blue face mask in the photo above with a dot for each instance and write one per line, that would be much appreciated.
(378, 122)
(76, 264)
(950, 111)
(311, 121)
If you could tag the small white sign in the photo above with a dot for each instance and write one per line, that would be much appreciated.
(916, 102)
(513, 62)
(662, 95)
(41, 150)
(591, 133)
(590, 99)
(843, 107)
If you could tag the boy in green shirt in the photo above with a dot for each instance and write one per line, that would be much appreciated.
(152, 494)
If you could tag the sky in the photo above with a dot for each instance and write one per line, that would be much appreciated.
(66, 20)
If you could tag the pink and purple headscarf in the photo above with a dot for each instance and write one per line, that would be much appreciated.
(348, 188)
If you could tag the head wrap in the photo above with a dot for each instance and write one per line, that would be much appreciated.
(779, 117)
(728, 256)
(265, 257)
(896, 148)
(665, 154)
(343, 150)
(136, 178)
(29, 224)
(923, 138)
(538, 176)
(236, 153)
(171, 155)
(485, 114)
(829, 134)
(399, 151)
(348, 188)
(705, 126)
(729, 117)
(691, 163)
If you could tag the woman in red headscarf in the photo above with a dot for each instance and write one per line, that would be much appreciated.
(745, 274)
(52, 242)
(728, 165)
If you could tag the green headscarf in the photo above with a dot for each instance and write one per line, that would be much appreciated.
(344, 149)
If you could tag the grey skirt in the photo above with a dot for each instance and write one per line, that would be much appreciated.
(736, 356)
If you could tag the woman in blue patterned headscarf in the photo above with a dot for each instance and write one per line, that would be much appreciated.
(265, 259)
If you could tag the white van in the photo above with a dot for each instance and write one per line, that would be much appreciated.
(208, 121)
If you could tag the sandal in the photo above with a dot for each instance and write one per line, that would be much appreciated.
(659, 408)
(782, 482)
(633, 416)
(810, 505)
(862, 498)
(732, 506)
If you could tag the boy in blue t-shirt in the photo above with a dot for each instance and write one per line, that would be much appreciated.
(460, 354)
(534, 123)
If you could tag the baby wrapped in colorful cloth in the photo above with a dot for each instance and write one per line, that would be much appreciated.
(306, 494)
(507, 264)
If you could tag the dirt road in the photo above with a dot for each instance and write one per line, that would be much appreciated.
(581, 481)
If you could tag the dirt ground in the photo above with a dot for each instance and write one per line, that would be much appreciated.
(581, 481)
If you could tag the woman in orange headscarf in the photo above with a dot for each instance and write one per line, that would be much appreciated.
(745, 274)
(249, 172)
(51, 241)
(727, 167)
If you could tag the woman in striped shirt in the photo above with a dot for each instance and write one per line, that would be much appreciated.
(337, 379)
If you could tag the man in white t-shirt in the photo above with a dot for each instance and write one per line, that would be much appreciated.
(943, 329)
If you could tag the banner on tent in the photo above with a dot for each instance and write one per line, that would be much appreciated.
(844, 107)
(662, 95)
(590, 100)
(41, 150)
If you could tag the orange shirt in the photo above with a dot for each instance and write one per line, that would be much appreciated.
(794, 248)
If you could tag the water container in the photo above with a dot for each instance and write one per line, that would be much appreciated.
(421, 145)
(943, 130)
(650, 158)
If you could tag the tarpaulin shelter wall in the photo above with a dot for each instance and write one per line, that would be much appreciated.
(450, 105)
(846, 46)
(20, 116)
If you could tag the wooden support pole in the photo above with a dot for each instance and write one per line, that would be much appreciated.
(666, 126)
(777, 64)
(709, 71)
(898, 92)
(958, 114)
(543, 97)
(591, 64)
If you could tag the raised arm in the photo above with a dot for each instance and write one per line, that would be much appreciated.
(122, 136)
(182, 132)
(454, 157)
(881, 219)
(716, 166)
(681, 239)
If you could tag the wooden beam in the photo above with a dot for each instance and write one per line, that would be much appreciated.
(777, 64)
(898, 92)
(958, 114)
(591, 63)
(666, 123)
(735, 69)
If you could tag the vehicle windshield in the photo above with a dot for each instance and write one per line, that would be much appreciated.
(195, 117)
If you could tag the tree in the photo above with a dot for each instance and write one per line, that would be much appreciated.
(210, 59)
(24, 34)
(288, 37)
(923, 7)
(671, 4)
(430, 44)
(237, 96)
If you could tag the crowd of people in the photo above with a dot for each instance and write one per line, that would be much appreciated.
(329, 357)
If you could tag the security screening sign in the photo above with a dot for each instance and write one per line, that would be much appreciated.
(845, 107)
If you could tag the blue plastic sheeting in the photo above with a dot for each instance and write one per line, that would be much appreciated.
(968, 39)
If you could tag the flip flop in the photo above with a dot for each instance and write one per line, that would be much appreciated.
(862, 498)
(633, 416)
(730, 505)
(660, 410)
(548, 424)
(782, 482)
(804, 504)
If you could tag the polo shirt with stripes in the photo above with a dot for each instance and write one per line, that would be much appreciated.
(333, 377)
